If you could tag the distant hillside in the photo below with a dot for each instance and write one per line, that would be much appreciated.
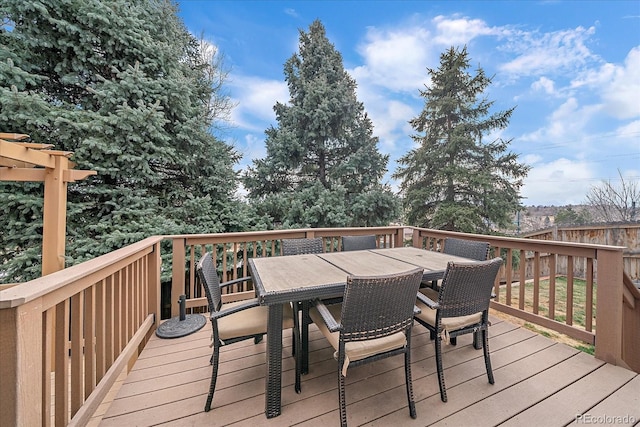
(540, 217)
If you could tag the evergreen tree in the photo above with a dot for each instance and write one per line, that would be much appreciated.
(322, 168)
(123, 85)
(569, 216)
(454, 180)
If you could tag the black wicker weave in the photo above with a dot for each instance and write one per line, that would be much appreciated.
(229, 314)
(358, 243)
(374, 309)
(464, 248)
(462, 308)
(302, 246)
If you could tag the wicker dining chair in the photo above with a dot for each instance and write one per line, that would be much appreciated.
(470, 249)
(462, 307)
(303, 246)
(239, 320)
(373, 322)
(464, 248)
(357, 243)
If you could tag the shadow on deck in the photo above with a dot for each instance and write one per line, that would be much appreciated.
(537, 381)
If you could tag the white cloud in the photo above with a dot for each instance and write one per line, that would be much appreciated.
(395, 59)
(253, 148)
(565, 125)
(548, 53)
(291, 12)
(630, 131)
(560, 182)
(389, 117)
(256, 98)
(622, 95)
(543, 84)
(617, 85)
(456, 31)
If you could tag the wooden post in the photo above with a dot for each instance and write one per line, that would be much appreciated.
(178, 274)
(54, 222)
(399, 239)
(415, 240)
(21, 365)
(155, 292)
(609, 302)
(18, 161)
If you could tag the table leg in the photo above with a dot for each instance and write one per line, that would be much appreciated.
(273, 386)
(305, 337)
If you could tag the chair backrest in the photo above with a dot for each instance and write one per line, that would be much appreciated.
(466, 287)
(466, 248)
(206, 270)
(356, 243)
(378, 306)
(302, 246)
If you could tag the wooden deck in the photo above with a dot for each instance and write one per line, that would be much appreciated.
(537, 382)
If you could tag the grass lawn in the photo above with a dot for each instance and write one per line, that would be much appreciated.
(579, 298)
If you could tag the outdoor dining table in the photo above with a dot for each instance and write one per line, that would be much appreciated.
(283, 279)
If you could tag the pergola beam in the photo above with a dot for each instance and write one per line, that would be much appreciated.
(38, 175)
(19, 152)
(18, 161)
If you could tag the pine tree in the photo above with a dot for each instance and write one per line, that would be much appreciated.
(124, 86)
(322, 168)
(454, 180)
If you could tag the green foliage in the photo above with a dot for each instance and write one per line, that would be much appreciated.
(124, 86)
(454, 180)
(569, 216)
(322, 168)
(589, 349)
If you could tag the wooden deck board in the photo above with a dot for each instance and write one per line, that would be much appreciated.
(535, 379)
(579, 396)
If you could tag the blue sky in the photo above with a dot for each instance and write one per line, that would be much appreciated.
(571, 69)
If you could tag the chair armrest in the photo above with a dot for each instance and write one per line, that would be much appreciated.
(428, 301)
(328, 318)
(234, 281)
(235, 309)
(238, 296)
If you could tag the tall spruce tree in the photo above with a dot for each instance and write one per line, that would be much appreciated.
(322, 167)
(454, 179)
(123, 85)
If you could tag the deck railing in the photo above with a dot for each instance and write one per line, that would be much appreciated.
(529, 261)
(80, 327)
(232, 250)
(65, 337)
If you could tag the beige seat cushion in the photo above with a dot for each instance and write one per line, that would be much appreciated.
(355, 350)
(428, 315)
(251, 321)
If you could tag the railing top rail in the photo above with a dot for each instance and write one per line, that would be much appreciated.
(596, 226)
(18, 295)
(518, 241)
(318, 232)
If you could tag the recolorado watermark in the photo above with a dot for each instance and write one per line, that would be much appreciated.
(605, 419)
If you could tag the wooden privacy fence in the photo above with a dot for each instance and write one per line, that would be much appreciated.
(618, 234)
